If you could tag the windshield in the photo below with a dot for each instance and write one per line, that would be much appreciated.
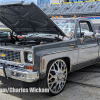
(66, 25)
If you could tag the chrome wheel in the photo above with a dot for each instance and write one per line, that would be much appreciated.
(57, 76)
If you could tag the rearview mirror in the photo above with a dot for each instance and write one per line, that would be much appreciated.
(88, 34)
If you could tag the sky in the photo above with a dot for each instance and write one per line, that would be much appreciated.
(35, 1)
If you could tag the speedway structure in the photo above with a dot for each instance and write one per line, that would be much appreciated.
(69, 9)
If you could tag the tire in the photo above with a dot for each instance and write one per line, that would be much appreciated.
(56, 76)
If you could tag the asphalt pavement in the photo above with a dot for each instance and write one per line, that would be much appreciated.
(83, 84)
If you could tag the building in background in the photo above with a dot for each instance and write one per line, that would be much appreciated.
(56, 1)
(48, 2)
(43, 2)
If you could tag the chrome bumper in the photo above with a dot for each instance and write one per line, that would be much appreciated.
(19, 74)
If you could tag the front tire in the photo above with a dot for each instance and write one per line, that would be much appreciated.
(56, 77)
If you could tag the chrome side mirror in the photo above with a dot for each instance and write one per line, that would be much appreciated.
(88, 34)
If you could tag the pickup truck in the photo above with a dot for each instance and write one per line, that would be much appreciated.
(45, 57)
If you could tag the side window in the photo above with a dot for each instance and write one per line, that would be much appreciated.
(83, 26)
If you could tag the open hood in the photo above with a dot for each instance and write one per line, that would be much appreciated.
(27, 17)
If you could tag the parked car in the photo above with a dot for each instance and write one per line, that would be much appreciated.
(45, 60)
(4, 33)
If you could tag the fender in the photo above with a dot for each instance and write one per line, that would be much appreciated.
(71, 54)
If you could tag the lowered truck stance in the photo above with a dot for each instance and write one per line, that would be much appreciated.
(51, 49)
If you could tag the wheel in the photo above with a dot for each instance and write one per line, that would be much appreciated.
(56, 77)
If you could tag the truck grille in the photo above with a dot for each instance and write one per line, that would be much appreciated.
(10, 55)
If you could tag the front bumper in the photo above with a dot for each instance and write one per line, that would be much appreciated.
(19, 74)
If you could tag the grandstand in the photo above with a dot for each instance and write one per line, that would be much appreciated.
(69, 9)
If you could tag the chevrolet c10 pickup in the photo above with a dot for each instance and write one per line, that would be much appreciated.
(51, 48)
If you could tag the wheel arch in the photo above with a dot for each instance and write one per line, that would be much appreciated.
(67, 61)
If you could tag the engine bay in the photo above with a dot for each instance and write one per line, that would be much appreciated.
(28, 41)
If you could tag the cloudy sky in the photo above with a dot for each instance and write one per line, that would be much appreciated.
(35, 1)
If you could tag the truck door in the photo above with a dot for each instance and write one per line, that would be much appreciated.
(87, 46)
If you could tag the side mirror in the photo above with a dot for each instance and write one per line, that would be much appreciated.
(88, 34)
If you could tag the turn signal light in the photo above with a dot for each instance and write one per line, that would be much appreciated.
(28, 67)
(60, 16)
(56, 16)
(53, 17)
(75, 16)
(5, 66)
(43, 63)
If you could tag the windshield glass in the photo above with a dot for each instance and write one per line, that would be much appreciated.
(66, 25)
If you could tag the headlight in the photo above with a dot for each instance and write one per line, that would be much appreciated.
(29, 57)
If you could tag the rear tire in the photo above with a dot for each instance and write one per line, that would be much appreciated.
(56, 76)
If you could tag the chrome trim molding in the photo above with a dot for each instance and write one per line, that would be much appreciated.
(15, 63)
(22, 57)
(16, 49)
(33, 58)
(23, 75)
